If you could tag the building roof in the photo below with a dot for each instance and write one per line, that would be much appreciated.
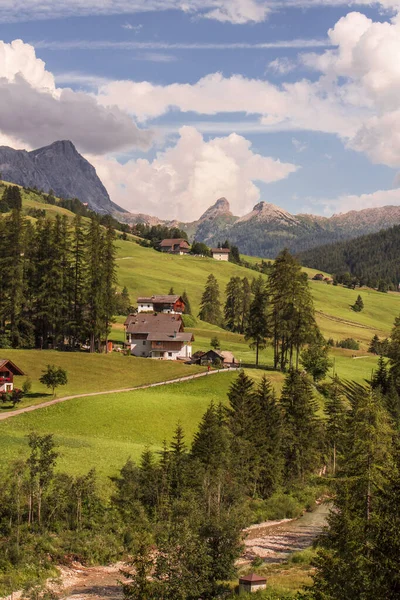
(253, 578)
(5, 363)
(167, 299)
(228, 356)
(154, 323)
(174, 242)
(220, 250)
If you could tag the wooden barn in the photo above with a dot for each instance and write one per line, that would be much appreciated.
(7, 371)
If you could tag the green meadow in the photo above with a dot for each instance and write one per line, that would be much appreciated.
(104, 431)
(91, 372)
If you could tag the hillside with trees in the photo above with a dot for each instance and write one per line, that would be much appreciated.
(370, 260)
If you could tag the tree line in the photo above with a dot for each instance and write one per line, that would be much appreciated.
(370, 260)
(58, 281)
(279, 311)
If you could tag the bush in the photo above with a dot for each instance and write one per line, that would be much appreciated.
(349, 344)
(189, 321)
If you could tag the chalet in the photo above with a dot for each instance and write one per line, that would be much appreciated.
(175, 246)
(159, 336)
(220, 253)
(171, 304)
(225, 357)
(7, 372)
(252, 583)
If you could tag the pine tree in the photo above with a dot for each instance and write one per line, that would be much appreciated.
(358, 305)
(336, 421)
(94, 290)
(301, 428)
(79, 273)
(178, 461)
(315, 359)
(233, 310)
(267, 437)
(188, 308)
(292, 320)
(257, 330)
(344, 564)
(210, 307)
(109, 277)
(246, 303)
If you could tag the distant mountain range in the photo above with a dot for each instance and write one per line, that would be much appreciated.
(58, 167)
(267, 229)
(264, 231)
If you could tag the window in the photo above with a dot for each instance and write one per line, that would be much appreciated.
(144, 342)
(169, 353)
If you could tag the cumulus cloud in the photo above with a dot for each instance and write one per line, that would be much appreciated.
(182, 181)
(36, 112)
(344, 203)
(282, 66)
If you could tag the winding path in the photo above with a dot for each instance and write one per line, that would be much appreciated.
(21, 411)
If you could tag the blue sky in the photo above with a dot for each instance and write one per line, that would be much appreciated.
(248, 99)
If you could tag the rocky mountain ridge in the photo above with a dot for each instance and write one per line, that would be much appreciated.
(267, 229)
(58, 167)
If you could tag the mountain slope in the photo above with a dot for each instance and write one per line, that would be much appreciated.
(372, 258)
(58, 167)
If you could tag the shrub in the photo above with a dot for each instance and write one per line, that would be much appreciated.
(349, 344)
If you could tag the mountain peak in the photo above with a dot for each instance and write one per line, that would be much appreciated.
(221, 207)
(267, 212)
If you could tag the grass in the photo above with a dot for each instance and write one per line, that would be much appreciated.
(103, 431)
(92, 372)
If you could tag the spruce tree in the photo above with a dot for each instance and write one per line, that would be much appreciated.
(301, 428)
(267, 437)
(246, 303)
(109, 277)
(188, 308)
(210, 307)
(336, 413)
(234, 304)
(94, 290)
(257, 330)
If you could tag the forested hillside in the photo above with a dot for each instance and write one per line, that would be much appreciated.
(370, 260)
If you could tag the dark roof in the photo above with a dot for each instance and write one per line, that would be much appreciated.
(4, 362)
(174, 242)
(220, 250)
(167, 299)
(253, 578)
(155, 323)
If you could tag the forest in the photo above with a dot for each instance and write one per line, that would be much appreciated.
(370, 260)
(58, 281)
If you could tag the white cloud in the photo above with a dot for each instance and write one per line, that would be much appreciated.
(299, 145)
(344, 203)
(282, 66)
(152, 45)
(231, 11)
(159, 57)
(182, 181)
(130, 27)
(36, 112)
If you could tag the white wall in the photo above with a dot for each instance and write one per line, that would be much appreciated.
(221, 256)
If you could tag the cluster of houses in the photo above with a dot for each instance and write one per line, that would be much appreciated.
(156, 330)
(180, 246)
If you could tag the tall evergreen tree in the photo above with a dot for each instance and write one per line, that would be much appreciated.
(188, 308)
(233, 310)
(210, 306)
(246, 303)
(301, 428)
(109, 280)
(257, 330)
(95, 295)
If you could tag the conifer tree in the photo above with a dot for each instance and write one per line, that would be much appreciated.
(109, 280)
(267, 437)
(188, 308)
(246, 303)
(257, 330)
(94, 291)
(210, 307)
(233, 310)
(336, 421)
(358, 306)
(301, 427)
(178, 461)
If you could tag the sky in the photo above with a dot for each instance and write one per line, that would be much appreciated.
(180, 102)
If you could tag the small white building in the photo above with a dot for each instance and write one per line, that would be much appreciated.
(252, 583)
(220, 253)
(172, 304)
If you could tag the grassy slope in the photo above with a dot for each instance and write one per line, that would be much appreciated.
(103, 431)
(92, 372)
